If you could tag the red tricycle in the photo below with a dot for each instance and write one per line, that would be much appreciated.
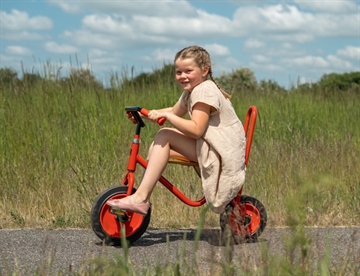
(244, 216)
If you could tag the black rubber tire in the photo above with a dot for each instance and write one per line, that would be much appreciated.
(246, 227)
(100, 216)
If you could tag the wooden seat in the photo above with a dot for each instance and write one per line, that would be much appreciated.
(181, 160)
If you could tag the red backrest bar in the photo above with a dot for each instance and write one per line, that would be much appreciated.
(250, 119)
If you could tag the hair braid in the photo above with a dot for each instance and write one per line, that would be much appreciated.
(228, 96)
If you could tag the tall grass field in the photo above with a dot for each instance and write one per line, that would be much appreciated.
(63, 143)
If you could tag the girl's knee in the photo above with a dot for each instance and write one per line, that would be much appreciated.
(163, 133)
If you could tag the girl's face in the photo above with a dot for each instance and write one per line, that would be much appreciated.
(189, 74)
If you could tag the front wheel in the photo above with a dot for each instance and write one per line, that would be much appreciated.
(107, 226)
(244, 221)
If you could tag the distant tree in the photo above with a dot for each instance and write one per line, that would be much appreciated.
(242, 79)
(340, 81)
(8, 77)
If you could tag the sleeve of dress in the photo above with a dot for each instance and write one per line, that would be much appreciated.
(208, 93)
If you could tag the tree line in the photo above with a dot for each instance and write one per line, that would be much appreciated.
(239, 80)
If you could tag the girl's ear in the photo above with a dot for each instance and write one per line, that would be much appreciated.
(205, 71)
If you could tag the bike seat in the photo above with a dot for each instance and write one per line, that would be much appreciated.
(181, 160)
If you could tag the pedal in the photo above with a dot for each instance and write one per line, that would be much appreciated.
(117, 212)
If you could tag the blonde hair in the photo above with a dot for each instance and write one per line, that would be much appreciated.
(202, 59)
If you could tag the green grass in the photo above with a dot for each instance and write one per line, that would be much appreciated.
(63, 144)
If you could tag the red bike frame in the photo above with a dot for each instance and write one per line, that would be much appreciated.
(135, 159)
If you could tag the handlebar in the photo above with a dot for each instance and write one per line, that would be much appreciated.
(145, 112)
(132, 111)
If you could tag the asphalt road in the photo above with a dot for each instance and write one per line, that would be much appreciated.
(26, 251)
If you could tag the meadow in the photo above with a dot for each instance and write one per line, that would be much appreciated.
(63, 143)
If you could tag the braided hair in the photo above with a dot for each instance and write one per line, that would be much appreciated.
(202, 59)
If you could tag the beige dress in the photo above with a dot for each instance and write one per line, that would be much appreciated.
(221, 149)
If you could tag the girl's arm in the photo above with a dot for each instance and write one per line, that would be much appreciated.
(193, 128)
(176, 109)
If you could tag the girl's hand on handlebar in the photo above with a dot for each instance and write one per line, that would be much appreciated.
(154, 116)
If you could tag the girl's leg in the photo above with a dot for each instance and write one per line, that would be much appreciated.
(166, 141)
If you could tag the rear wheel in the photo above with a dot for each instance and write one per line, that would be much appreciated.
(243, 221)
(107, 225)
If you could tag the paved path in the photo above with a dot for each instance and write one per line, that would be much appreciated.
(25, 251)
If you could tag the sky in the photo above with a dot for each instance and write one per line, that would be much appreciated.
(289, 42)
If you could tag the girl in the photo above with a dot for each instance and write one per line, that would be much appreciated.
(213, 136)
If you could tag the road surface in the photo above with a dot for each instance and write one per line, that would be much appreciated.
(26, 251)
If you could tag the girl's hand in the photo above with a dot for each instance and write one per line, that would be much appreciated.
(154, 115)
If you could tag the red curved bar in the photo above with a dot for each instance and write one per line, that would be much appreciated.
(250, 119)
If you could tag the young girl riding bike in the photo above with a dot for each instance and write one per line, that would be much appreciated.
(213, 136)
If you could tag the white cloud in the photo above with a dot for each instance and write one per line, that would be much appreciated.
(287, 46)
(311, 61)
(202, 25)
(19, 21)
(337, 6)
(167, 8)
(106, 24)
(226, 64)
(17, 50)
(284, 22)
(295, 37)
(274, 50)
(261, 59)
(328, 63)
(97, 53)
(252, 43)
(67, 6)
(87, 38)
(265, 67)
(349, 52)
(54, 47)
(163, 21)
(339, 64)
(21, 36)
(217, 50)
(331, 25)
(277, 18)
(162, 55)
(143, 28)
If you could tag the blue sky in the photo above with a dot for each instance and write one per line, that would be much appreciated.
(284, 41)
